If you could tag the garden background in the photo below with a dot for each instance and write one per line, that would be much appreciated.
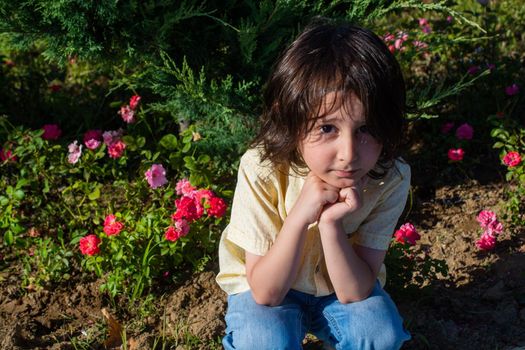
(122, 124)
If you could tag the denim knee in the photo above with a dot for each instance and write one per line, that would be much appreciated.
(253, 326)
(373, 323)
(264, 338)
(385, 333)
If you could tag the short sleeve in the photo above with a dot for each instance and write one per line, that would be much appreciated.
(255, 219)
(376, 230)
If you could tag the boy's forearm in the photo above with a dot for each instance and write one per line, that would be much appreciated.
(351, 277)
(272, 276)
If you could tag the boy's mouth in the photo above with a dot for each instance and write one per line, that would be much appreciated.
(346, 173)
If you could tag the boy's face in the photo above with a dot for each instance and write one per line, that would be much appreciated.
(339, 149)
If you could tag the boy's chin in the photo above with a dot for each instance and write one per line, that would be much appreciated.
(341, 182)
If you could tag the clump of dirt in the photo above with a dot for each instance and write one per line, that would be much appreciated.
(479, 305)
(198, 307)
(46, 318)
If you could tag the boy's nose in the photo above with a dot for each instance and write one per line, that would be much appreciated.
(348, 148)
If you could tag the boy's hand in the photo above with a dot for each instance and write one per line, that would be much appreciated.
(315, 196)
(349, 200)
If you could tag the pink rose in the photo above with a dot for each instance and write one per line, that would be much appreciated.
(112, 136)
(203, 195)
(75, 151)
(488, 220)
(116, 149)
(389, 37)
(407, 234)
(473, 70)
(127, 114)
(134, 101)
(93, 135)
(92, 144)
(181, 229)
(425, 26)
(7, 155)
(446, 127)
(156, 176)
(89, 245)
(512, 159)
(184, 188)
(486, 242)
(51, 132)
(419, 44)
(512, 90)
(182, 226)
(494, 228)
(464, 132)
(456, 155)
(485, 217)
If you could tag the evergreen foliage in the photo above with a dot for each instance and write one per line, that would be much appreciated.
(194, 61)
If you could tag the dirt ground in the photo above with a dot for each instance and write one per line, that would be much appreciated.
(479, 305)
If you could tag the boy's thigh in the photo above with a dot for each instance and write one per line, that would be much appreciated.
(373, 323)
(253, 326)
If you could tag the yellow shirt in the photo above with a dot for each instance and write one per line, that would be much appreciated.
(263, 198)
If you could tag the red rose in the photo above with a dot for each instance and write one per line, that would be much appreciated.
(134, 101)
(172, 234)
(89, 245)
(217, 207)
(187, 209)
(116, 149)
(407, 234)
(112, 226)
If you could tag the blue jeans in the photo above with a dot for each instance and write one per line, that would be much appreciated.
(373, 323)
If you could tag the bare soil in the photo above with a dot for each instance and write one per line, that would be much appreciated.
(479, 305)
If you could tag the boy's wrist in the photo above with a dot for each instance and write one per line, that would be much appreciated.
(328, 225)
(297, 220)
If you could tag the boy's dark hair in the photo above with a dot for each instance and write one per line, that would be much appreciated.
(329, 56)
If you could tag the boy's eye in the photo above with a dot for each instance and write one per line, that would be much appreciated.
(326, 129)
(363, 129)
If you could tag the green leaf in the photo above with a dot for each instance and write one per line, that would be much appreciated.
(190, 163)
(130, 142)
(19, 194)
(186, 148)
(196, 179)
(46, 186)
(169, 142)
(203, 159)
(119, 255)
(9, 238)
(22, 183)
(140, 141)
(95, 194)
(187, 138)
